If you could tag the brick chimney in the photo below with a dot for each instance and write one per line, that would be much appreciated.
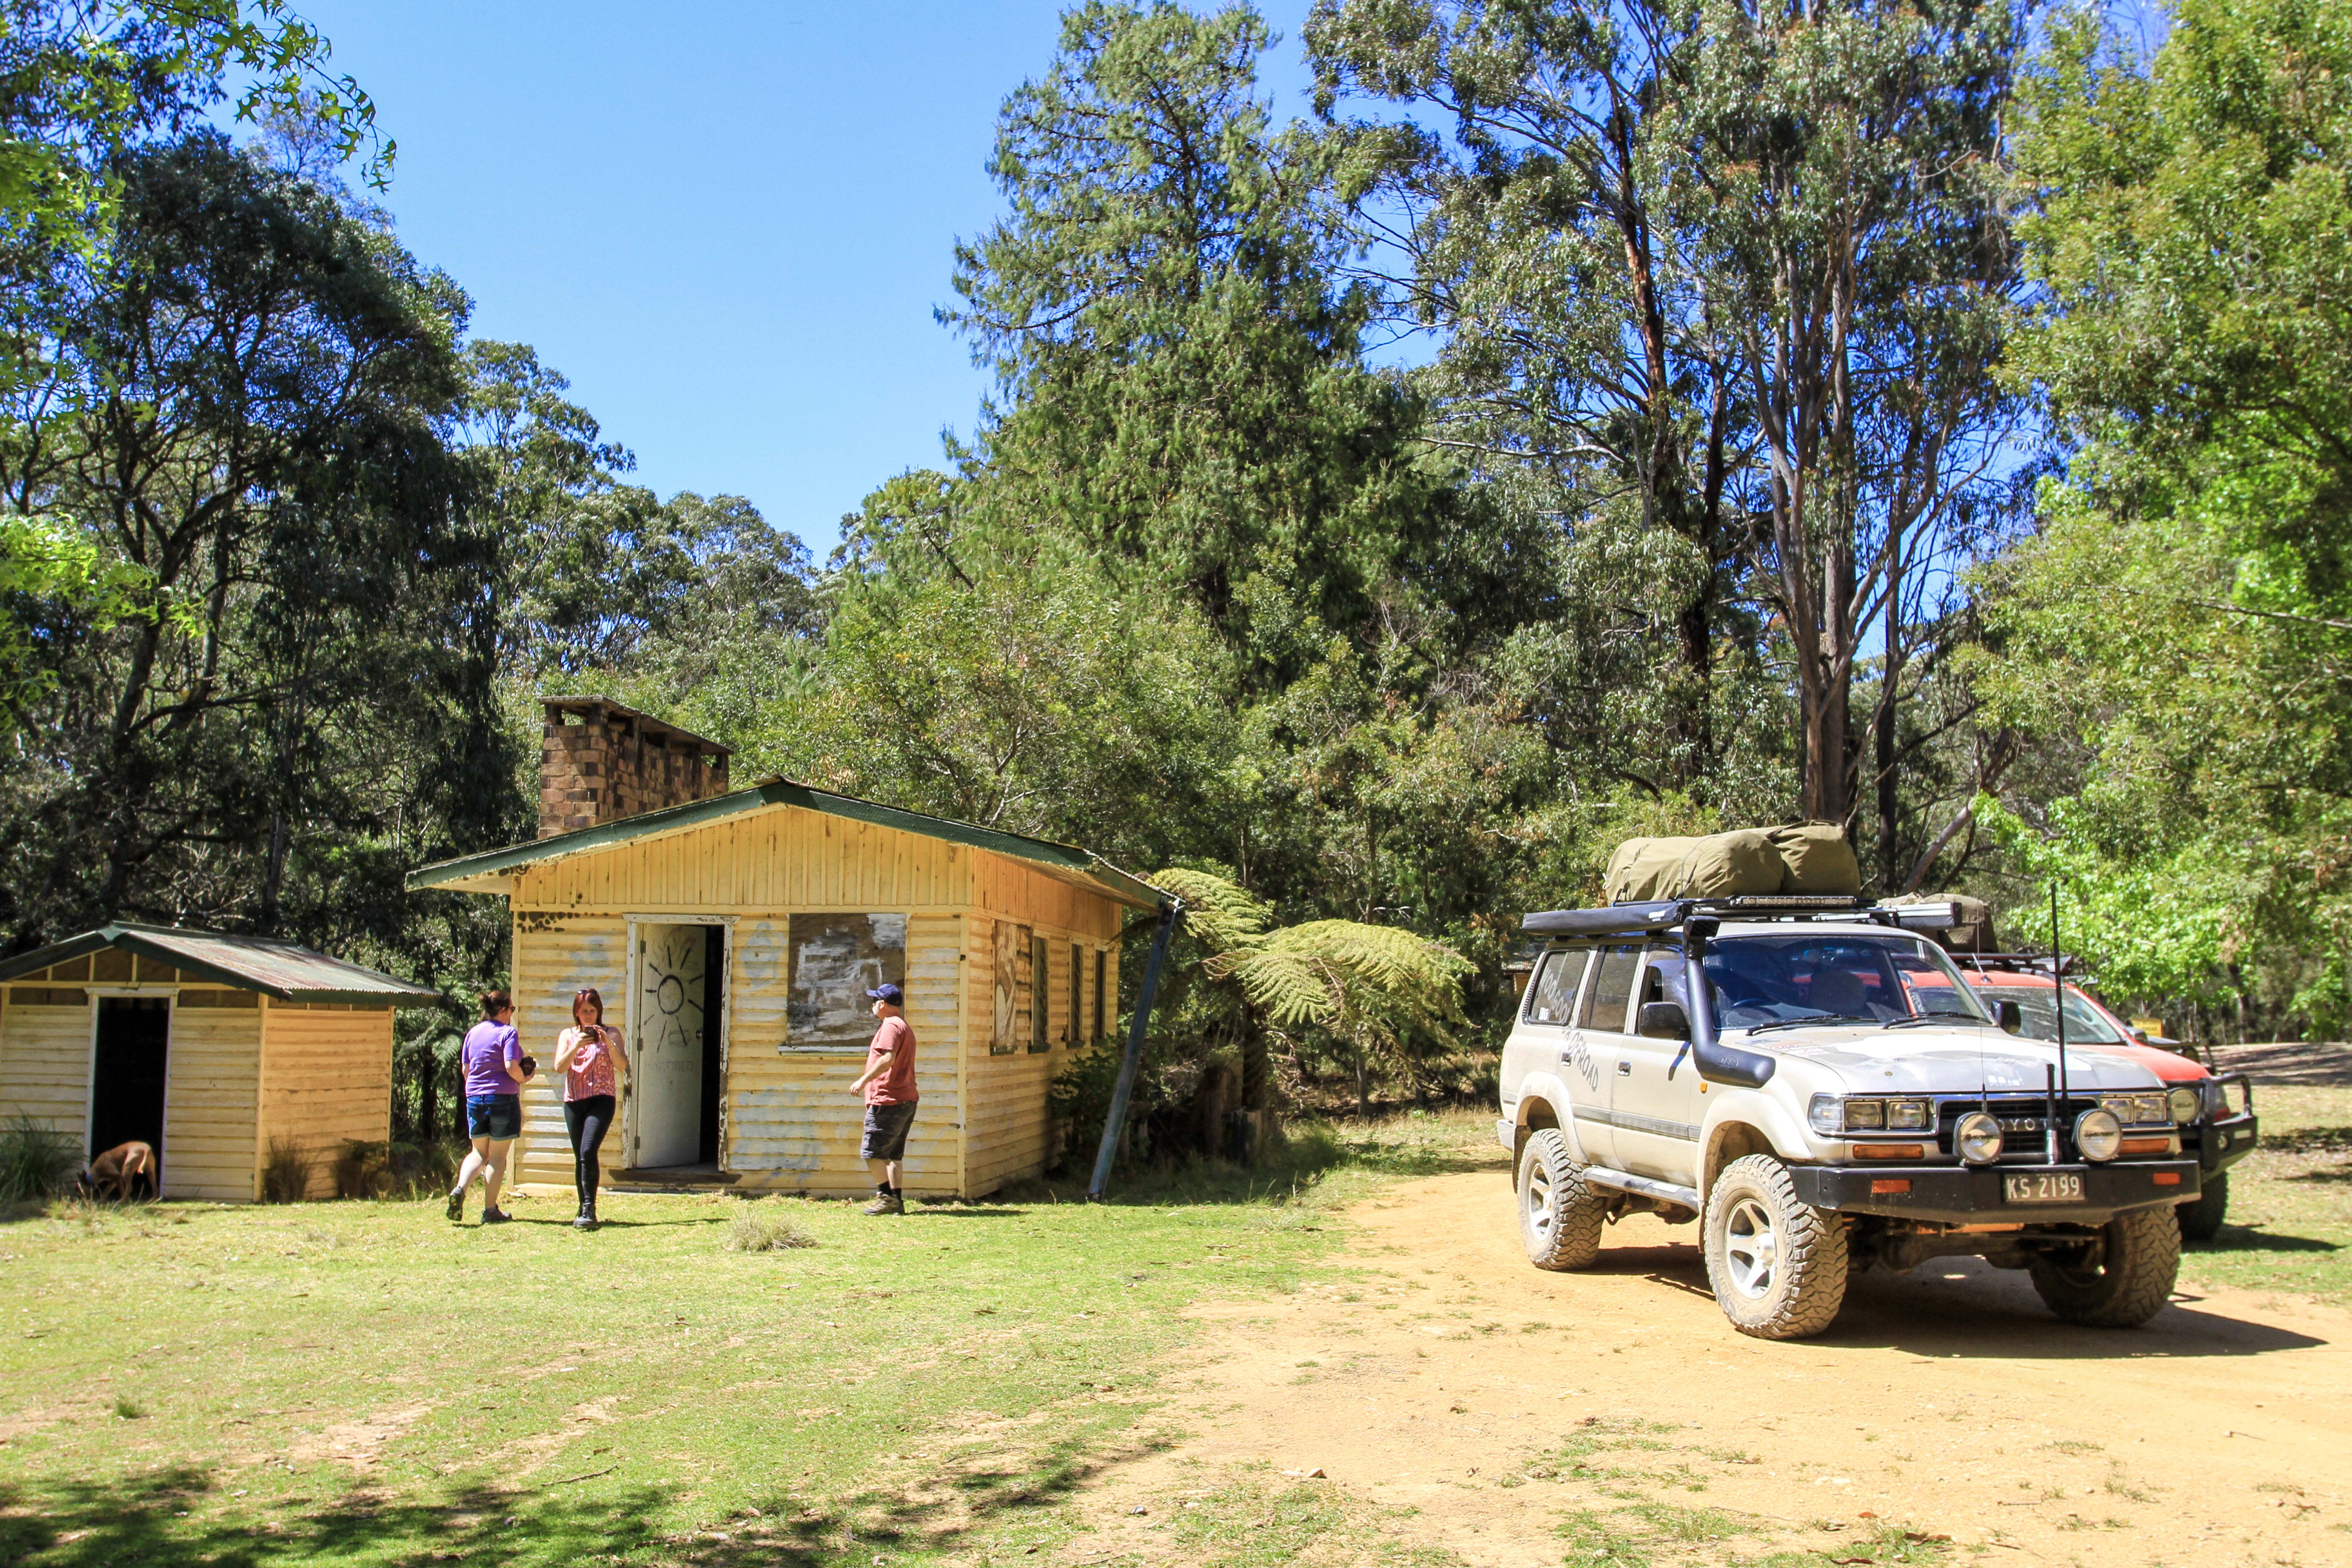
(603, 761)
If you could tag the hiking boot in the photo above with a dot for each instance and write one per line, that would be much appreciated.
(885, 1203)
(495, 1216)
(456, 1209)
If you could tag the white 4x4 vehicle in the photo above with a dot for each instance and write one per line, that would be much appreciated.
(1809, 1076)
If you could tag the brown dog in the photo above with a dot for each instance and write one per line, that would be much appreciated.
(114, 1173)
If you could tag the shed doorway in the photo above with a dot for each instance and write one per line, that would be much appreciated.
(679, 1072)
(128, 1070)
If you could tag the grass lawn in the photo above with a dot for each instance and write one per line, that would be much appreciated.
(2290, 1220)
(363, 1382)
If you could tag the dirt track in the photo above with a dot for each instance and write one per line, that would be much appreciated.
(1432, 1369)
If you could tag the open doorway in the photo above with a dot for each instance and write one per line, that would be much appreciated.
(674, 1113)
(128, 1071)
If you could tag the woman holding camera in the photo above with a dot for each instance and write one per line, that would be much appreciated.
(587, 1055)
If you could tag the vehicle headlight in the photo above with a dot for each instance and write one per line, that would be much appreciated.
(1910, 1116)
(1829, 1115)
(1978, 1138)
(2097, 1134)
(2186, 1105)
(2138, 1110)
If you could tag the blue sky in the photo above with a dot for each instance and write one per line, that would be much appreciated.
(728, 224)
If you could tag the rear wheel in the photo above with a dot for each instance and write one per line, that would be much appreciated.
(2122, 1280)
(2200, 1216)
(1559, 1216)
(1778, 1265)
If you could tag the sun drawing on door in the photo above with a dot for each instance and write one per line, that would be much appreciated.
(673, 982)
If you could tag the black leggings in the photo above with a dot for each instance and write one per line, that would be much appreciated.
(589, 1119)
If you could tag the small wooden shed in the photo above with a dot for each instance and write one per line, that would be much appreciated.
(206, 1045)
(733, 934)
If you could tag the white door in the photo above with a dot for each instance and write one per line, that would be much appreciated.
(667, 1129)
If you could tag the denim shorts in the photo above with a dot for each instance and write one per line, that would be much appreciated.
(886, 1131)
(494, 1115)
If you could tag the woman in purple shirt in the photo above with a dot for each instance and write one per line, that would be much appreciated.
(496, 1069)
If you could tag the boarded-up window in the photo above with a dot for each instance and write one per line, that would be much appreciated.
(1041, 995)
(835, 961)
(1010, 964)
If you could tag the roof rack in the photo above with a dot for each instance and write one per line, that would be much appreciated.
(1645, 917)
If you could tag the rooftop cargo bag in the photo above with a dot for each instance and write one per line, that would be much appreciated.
(1749, 862)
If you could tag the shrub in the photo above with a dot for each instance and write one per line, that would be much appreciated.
(749, 1230)
(35, 1163)
(285, 1173)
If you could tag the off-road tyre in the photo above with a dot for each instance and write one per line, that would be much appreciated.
(1778, 1265)
(2201, 1216)
(1559, 1216)
(2132, 1280)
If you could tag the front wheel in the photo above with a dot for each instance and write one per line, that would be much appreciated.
(2200, 1216)
(2121, 1280)
(1778, 1265)
(1559, 1216)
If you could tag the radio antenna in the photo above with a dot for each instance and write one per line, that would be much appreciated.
(2058, 992)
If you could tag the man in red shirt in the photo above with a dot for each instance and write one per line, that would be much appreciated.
(889, 1081)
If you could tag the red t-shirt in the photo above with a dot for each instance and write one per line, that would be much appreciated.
(895, 1085)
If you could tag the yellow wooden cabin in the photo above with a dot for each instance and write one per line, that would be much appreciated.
(733, 935)
(209, 1048)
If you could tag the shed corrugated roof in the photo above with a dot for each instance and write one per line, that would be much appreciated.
(281, 969)
(1067, 858)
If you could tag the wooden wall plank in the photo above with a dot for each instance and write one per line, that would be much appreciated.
(325, 1080)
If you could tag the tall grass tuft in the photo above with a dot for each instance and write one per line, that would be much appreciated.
(285, 1173)
(749, 1230)
(35, 1163)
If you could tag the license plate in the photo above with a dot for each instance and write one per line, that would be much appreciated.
(2042, 1187)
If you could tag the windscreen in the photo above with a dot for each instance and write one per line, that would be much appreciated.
(2038, 1015)
(1761, 981)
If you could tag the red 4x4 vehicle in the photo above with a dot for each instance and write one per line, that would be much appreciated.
(2217, 1133)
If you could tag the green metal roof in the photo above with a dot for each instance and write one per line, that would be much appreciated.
(1128, 889)
(281, 969)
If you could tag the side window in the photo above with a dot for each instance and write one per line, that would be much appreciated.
(1041, 993)
(1662, 978)
(1102, 965)
(1077, 995)
(1611, 991)
(1551, 998)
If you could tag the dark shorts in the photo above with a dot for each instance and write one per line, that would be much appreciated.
(886, 1131)
(494, 1115)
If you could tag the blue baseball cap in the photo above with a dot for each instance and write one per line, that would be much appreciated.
(891, 993)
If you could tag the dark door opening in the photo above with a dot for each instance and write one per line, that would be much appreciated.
(714, 984)
(127, 1073)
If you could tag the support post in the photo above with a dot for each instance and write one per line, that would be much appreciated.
(1116, 1121)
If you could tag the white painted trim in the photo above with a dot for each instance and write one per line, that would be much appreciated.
(90, 1081)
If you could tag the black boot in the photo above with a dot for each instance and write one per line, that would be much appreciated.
(587, 1218)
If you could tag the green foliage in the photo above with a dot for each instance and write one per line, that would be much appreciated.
(35, 1163)
(2181, 619)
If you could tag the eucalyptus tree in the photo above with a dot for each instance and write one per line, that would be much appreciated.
(1740, 271)
(245, 399)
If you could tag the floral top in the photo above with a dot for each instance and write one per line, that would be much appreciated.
(589, 1072)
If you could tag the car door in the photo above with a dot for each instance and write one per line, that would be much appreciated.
(1654, 1104)
(1602, 1020)
(1546, 1042)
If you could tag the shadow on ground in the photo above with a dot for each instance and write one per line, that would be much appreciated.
(176, 1519)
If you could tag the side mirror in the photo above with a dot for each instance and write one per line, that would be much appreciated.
(2006, 1014)
(1663, 1021)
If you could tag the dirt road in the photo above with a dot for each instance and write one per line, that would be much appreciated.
(1520, 1416)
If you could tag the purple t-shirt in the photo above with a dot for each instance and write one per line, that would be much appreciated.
(488, 1048)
